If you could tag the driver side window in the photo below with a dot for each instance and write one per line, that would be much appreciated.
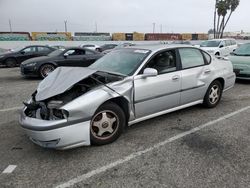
(164, 62)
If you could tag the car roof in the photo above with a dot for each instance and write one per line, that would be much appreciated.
(158, 47)
(36, 46)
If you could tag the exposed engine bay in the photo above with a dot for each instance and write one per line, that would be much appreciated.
(49, 109)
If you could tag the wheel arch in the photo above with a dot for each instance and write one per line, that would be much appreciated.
(221, 80)
(123, 103)
(47, 63)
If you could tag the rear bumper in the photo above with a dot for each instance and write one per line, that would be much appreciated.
(57, 134)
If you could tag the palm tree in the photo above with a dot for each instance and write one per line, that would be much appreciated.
(221, 9)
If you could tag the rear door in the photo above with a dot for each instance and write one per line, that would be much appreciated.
(196, 74)
(90, 57)
(43, 50)
(159, 93)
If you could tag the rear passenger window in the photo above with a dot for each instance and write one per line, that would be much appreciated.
(191, 58)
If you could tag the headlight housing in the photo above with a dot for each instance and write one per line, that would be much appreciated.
(30, 64)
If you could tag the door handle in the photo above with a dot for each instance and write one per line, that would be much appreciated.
(207, 71)
(176, 77)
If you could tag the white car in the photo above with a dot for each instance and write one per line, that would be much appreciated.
(91, 47)
(219, 47)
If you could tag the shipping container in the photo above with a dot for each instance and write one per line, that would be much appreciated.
(51, 36)
(15, 36)
(202, 36)
(138, 36)
(162, 36)
(118, 36)
(186, 36)
(129, 36)
(194, 36)
(79, 34)
(92, 38)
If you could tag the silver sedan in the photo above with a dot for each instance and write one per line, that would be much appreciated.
(81, 106)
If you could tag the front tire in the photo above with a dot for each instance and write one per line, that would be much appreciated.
(213, 94)
(107, 124)
(46, 69)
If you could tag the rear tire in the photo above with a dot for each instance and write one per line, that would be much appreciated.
(45, 70)
(11, 62)
(107, 124)
(213, 94)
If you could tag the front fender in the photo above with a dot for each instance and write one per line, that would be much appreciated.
(86, 105)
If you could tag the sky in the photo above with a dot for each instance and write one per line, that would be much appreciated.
(177, 16)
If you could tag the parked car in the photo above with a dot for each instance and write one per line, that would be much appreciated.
(57, 46)
(18, 55)
(219, 47)
(107, 47)
(82, 106)
(241, 61)
(91, 47)
(71, 56)
(123, 45)
(186, 42)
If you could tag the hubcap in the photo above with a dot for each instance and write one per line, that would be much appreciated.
(214, 94)
(104, 124)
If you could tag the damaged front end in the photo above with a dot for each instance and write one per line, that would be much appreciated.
(50, 108)
(59, 112)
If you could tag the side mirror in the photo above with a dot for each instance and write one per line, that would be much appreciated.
(149, 72)
(221, 46)
(22, 52)
(65, 55)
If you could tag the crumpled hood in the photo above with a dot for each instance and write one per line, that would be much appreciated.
(36, 59)
(60, 80)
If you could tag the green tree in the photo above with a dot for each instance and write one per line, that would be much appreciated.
(221, 16)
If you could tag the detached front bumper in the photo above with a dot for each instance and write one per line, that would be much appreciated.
(58, 134)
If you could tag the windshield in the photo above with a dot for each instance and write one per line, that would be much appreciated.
(124, 61)
(244, 49)
(210, 43)
(17, 49)
(55, 53)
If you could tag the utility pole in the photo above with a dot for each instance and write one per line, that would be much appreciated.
(161, 28)
(153, 27)
(10, 25)
(65, 26)
(96, 27)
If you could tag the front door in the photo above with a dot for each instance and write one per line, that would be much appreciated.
(161, 92)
